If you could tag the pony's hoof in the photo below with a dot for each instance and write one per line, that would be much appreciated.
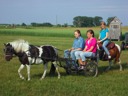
(41, 78)
(59, 77)
(28, 79)
(22, 78)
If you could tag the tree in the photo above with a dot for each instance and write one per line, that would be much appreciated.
(83, 21)
(77, 21)
(23, 24)
(65, 25)
(46, 24)
(41, 24)
(58, 25)
(97, 20)
(33, 24)
(109, 20)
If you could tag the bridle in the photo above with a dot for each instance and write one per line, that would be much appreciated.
(7, 55)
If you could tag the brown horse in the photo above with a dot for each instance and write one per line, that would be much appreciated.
(114, 50)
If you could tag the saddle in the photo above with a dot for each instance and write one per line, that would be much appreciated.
(111, 45)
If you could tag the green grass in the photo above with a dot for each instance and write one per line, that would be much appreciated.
(50, 31)
(45, 32)
(112, 83)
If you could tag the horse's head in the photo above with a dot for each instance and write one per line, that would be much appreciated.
(99, 44)
(9, 51)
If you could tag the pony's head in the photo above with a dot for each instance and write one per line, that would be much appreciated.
(15, 47)
(9, 51)
(99, 45)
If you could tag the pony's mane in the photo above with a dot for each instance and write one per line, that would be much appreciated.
(20, 45)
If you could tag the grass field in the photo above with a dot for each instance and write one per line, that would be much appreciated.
(112, 83)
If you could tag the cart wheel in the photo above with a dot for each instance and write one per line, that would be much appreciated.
(122, 46)
(91, 69)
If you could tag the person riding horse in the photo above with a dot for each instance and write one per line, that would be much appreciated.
(112, 50)
(103, 38)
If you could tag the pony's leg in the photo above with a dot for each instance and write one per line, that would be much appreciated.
(45, 71)
(109, 67)
(20, 68)
(55, 64)
(120, 65)
(28, 71)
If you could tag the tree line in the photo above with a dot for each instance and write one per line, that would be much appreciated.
(78, 21)
(84, 21)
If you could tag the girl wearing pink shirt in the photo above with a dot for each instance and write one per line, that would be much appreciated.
(89, 50)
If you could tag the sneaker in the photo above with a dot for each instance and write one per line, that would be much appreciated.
(109, 57)
(81, 68)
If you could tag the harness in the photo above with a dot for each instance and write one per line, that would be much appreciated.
(48, 54)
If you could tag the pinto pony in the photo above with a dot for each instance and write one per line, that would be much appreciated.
(29, 54)
(114, 50)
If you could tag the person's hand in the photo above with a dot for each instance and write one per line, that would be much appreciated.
(98, 41)
(70, 50)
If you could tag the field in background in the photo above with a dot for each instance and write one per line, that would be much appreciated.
(112, 83)
(49, 31)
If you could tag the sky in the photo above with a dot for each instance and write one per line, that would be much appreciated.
(60, 11)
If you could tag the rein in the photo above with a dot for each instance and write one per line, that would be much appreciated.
(10, 55)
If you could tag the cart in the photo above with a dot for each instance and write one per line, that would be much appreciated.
(90, 69)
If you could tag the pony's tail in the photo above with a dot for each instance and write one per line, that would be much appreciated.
(117, 59)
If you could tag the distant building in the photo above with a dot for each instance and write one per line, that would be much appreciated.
(115, 32)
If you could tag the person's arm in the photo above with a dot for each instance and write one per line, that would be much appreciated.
(71, 49)
(78, 49)
(99, 37)
(105, 37)
(72, 46)
(90, 50)
(82, 41)
(85, 49)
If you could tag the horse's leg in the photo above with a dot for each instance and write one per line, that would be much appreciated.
(20, 68)
(117, 60)
(120, 65)
(55, 64)
(109, 67)
(45, 71)
(28, 71)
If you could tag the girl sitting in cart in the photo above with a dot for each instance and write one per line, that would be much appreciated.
(89, 50)
(78, 45)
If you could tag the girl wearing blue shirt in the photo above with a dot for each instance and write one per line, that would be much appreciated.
(104, 38)
(78, 45)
